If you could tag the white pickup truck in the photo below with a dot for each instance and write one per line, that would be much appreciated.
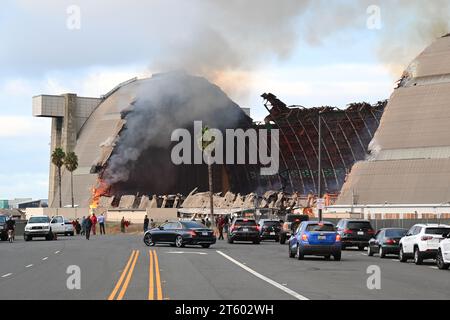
(60, 225)
(44, 227)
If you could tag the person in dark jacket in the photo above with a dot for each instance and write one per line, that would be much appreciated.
(88, 226)
(146, 222)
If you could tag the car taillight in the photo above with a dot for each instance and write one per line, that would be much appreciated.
(192, 233)
(389, 241)
(338, 237)
(304, 237)
(426, 238)
(258, 228)
(370, 231)
(348, 231)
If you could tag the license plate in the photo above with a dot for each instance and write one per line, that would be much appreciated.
(321, 237)
(272, 233)
(204, 233)
(245, 229)
(360, 233)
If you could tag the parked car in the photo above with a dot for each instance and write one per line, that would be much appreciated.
(3, 231)
(443, 255)
(290, 224)
(269, 229)
(422, 242)
(58, 225)
(243, 229)
(181, 233)
(315, 238)
(38, 227)
(68, 228)
(386, 241)
(355, 233)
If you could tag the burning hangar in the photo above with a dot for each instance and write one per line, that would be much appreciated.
(390, 152)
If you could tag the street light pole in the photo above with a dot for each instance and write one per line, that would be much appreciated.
(319, 180)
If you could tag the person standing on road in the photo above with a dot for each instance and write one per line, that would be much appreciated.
(88, 226)
(220, 224)
(94, 223)
(226, 222)
(101, 223)
(77, 227)
(122, 225)
(152, 224)
(146, 222)
(83, 226)
(208, 223)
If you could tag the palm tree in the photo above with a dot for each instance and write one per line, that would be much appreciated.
(58, 160)
(71, 164)
(204, 146)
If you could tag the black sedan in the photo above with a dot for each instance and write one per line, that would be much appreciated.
(386, 241)
(181, 233)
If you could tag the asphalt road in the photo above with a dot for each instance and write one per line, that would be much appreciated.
(122, 267)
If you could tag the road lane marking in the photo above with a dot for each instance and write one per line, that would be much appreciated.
(432, 267)
(6, 275)
(56, 252)
(150, 277)
(262, 277)
(122, 276)
(201, 253)
(29, 266)
(45, 258)
(159, 295)
(128, 278)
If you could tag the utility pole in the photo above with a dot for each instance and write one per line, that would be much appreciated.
(319, 180)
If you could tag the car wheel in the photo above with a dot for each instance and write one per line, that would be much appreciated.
(257, 241)
(206, 245)
(440, 261)
(291, 254)
(382, 253)
(300, 255)
(148, 240)
(282, 240)
(4, 238)
(418, 258)
(337, 257)
(230, 240)
(361, 247)
(401, 256)
(327, 257)
(369, 251)
(179, 241)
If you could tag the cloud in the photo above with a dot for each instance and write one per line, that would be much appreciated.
(33, 185)
(17, 126)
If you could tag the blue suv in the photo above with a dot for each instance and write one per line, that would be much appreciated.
(317, 239)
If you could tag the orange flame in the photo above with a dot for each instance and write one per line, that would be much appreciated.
(97, 191)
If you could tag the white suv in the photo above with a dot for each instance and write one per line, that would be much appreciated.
(422, 242)
(443, 255)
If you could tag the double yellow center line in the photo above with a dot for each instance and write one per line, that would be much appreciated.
(127, 273)
(154, 269)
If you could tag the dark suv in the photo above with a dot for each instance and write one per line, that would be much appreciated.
(3, 231)
(290, 224)
(269, 229)
(355, 233)
(243, 229)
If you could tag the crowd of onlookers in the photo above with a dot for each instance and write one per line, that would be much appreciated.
(89, 224)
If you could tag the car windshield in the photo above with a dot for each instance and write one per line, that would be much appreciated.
(192, 225)
(272, 223)
(39, 220)
(440, 231)
(359, 225)
(2, 219)
(395, 233)
(246, 222)
(320, 227)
